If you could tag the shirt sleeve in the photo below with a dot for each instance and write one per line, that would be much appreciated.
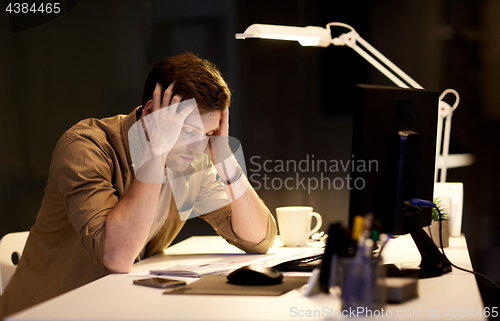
(220, 220)
(212, 192)
(83, 173)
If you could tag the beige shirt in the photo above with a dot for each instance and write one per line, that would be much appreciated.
(89, 173)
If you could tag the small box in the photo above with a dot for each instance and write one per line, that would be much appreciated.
(400, 290)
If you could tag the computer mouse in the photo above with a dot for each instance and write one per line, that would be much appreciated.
(254, 274)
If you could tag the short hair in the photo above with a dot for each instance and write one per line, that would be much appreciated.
(194, 78)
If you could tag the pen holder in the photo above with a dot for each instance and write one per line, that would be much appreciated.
(362, 284)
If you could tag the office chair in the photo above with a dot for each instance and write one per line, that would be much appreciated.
(11, 248)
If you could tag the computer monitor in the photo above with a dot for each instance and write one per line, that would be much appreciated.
(393, 159)
(393, 154)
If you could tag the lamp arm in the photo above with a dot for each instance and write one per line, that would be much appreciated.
(455, 93)
(379, 66)
(446, 145)
(388, 63)
(445, 111)
(438, 144)
(351, 39)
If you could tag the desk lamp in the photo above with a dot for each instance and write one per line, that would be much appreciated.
(321, 37)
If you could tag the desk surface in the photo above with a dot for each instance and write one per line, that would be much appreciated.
(452, 296)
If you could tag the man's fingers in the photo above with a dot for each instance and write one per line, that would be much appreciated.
(172, 108)
(223, 124)
(157, 97)
(225, 116)
(188, 109)
(177, 99)
(167, 97)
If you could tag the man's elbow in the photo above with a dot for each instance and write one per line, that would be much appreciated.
(257, 250)
(116, 264)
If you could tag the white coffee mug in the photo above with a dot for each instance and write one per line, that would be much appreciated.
(294, 223)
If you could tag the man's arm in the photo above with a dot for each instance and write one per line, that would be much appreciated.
(250, 215)
(128, 224)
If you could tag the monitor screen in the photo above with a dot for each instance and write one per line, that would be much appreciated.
(393, 154)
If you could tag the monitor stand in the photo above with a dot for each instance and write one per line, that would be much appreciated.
(433, 262)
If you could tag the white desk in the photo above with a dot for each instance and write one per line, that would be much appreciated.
(115, 298)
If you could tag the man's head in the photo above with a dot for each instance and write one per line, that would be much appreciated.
(194, 78)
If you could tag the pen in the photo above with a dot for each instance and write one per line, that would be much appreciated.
(361, 245)
(357, 227)
(368, 248)
(384, 238)
(368, 221)
(359, 248)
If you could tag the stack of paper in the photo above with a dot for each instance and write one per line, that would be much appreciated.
(197, 269)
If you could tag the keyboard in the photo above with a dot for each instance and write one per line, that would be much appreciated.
(301, 265)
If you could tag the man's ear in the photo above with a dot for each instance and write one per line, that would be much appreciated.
(148, 108)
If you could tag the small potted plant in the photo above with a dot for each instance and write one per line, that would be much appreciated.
(433, 229)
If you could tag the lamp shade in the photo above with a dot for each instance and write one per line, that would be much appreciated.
(306, 36)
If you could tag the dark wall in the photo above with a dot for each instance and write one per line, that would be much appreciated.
(90, 62)
(290, 103)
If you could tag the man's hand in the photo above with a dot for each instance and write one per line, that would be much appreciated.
(162, 121)
(223, 124)
(249, 214)
(161, 124)
(218, 147)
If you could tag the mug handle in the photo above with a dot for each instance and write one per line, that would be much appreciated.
(319, 222)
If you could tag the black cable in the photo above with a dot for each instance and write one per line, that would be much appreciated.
(457, 267)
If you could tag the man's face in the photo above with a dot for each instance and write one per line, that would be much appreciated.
(193, 139)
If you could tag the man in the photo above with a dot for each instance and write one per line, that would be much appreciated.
(104, 209)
